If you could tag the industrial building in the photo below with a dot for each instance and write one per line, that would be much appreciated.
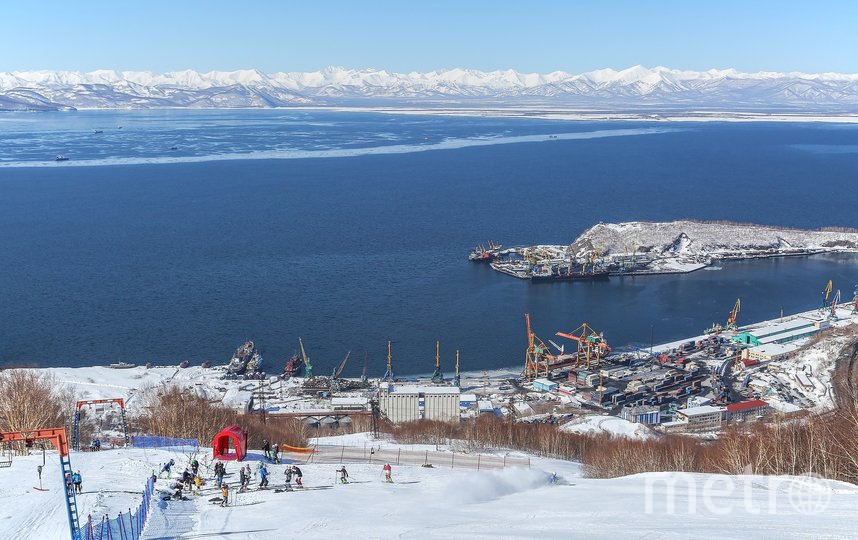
(544, 385)
(747, 410)
(350, 403)
(402, 403)
(769, 352)
(642, 414)
(703, 417)
(785, 332)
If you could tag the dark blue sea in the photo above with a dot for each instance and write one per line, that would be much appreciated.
(349, 229)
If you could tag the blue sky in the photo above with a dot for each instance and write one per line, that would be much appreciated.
(415, 35)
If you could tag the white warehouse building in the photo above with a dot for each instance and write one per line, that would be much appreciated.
(408, 403)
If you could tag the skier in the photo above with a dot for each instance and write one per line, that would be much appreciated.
(266, 448)
(388, 473)
(242, 479)
(263, 472)
(276, 453)
(178, 486)
(195, 466)
(69, 489)
(77, 480)
(224, 493)
(288, 473)
(166, 468)
(198, 482)
(298, 476)
(97, 445)
(344, 475)
(187, 477)
(220, 471)
(247, 474)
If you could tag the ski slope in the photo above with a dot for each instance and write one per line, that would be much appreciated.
(437, 502)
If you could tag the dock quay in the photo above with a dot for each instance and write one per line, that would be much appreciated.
(646, 248)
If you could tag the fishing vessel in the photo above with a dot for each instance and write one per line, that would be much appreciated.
(61, 158)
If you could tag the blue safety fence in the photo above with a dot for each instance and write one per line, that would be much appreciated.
(147, 441)
(125, 526)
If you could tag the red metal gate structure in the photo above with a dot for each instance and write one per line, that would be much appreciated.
(86, 402)
(57, 437)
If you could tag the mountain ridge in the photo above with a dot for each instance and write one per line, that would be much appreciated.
(633, 87)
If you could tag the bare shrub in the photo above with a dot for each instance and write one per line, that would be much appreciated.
(172, 412)
(30, 400)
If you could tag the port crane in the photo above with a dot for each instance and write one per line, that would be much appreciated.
(834, 304)
(437, 376)
(457, 381)
(59, 439)
(388, 375)
(825, 293)
(335, 374)
(537, 357)
(855, 301)
(592, 346)
(308, 367)
(734, 314)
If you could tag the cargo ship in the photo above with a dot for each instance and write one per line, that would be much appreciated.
(544, 272)
(245, 361)
(294, 365)
(482, 253)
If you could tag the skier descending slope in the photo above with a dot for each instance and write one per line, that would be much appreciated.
(344, 475)
(388, 473)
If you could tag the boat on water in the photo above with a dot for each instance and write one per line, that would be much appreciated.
(481, 253)
(97, 131)
(245, 361)
(293, 366)
(61, 158)
(545, 272)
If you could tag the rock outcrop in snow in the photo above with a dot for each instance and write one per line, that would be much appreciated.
(631, 89)
(718, 240)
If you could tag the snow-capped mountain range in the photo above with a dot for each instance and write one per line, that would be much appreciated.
(633, 89)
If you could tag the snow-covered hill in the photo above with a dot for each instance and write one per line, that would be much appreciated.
(694, 238)
(437, 502)
(633, 89)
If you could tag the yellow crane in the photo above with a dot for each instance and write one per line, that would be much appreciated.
(825, 293)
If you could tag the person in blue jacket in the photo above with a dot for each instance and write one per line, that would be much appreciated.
(263, 472)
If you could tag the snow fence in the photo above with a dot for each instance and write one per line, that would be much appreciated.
(124, 526)
(146, 441)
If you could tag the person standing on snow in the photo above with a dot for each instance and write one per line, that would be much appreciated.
(77, 480)
(195, 467)
(298, 476)
(224, 493)
(263, 472)
(242, 479)
(288, 473)
(247, 474)
(388, 473)
(266, 448)
(276, 453)
(220, 471)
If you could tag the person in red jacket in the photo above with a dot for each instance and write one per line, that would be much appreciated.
(388, 473)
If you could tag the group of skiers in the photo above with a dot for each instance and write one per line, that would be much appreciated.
(191, 478)
(74, 483)
(271, 453)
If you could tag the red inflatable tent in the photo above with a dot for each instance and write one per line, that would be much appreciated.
(220, 444)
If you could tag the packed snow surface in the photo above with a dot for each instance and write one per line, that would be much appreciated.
(693, 238)
(611, 425)
(436, 502)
